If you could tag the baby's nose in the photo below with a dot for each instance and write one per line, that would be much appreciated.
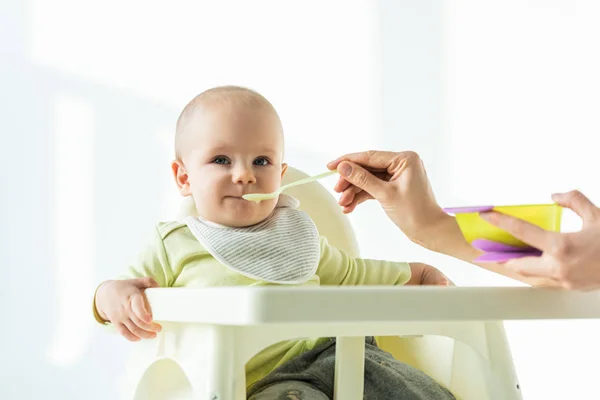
(244, 176)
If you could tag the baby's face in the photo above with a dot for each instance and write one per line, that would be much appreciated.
(233, 151)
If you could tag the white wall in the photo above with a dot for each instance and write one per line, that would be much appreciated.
(89, 94)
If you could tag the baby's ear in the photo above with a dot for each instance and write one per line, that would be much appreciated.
(181, 178)
(283, 169)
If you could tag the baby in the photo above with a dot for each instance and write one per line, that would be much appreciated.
(229, 142)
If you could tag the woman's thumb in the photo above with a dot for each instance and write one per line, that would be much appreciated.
(361, 178)
(578, 202)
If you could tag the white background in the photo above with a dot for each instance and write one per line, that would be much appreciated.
(501, 99)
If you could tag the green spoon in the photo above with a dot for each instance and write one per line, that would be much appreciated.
(258, 197)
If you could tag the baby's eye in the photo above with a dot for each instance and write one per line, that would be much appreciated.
(261, 161)
(221, 160)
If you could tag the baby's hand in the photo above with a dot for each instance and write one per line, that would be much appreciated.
(123, 303)
(424, 274)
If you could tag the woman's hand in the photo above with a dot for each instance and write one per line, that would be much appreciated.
(571, 260)
(398, 181)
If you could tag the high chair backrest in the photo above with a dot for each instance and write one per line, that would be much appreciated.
(318, 203)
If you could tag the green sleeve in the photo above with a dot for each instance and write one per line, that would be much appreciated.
(336, 267)
(152, 262)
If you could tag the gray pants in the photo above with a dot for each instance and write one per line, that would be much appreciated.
(311, 375)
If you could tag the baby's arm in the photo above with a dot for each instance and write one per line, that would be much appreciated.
(122, 302)
(336, 267)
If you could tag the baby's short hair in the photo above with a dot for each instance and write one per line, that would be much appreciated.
(220, 95)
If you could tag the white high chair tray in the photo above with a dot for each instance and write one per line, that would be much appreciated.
(249, 306)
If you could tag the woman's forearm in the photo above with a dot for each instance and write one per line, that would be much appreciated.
(445, 237)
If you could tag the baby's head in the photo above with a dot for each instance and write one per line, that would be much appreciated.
(229, 142)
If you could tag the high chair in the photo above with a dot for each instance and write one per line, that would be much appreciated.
(455, 335)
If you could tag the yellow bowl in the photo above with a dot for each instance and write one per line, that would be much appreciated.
(546, 216)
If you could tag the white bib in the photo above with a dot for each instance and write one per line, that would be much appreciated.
(283, 249)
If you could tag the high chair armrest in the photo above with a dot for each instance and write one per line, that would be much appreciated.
(250, 306)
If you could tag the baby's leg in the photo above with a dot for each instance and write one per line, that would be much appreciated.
(385, 377)
(388, 378)
(289, 390)
(308, 376)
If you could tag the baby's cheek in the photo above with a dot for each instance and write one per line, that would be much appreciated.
(206, 189)
(272, 182)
